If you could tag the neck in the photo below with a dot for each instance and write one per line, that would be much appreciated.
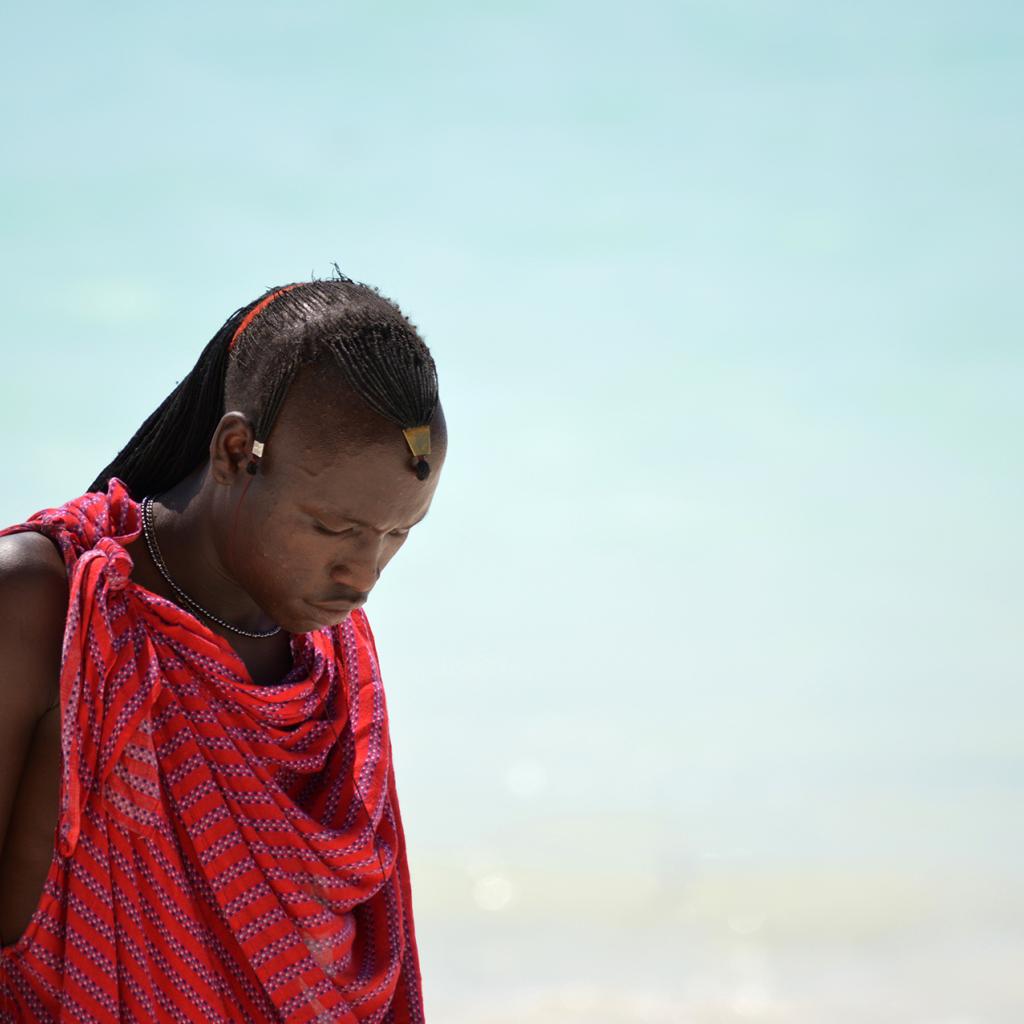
(189, 521)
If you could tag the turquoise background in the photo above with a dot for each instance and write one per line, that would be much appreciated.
(704, 671)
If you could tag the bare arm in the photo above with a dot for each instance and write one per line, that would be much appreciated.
(33, 606)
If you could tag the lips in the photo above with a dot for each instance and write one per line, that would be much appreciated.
(337, 607)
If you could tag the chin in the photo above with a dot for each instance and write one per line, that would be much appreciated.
(306, 618)
(294, 617)
(305, 624)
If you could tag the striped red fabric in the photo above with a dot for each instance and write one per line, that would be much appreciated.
(225, 852)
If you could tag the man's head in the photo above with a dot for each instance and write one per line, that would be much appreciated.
(309, 536)
(326, 374)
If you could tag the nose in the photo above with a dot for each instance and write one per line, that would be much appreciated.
(359, 565)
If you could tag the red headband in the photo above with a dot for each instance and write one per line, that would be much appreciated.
(255, 311)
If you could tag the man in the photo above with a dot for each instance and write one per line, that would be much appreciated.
(198, 814)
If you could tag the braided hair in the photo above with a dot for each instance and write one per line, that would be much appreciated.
(255, 356)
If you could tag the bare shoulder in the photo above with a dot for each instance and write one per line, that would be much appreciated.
(33, 608)
(33, 578)
(29, 550)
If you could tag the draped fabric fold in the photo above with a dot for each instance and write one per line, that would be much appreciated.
(224, 851)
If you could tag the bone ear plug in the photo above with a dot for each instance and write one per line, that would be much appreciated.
(254, 463)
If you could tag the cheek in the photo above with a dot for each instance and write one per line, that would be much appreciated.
(390, 550)
(290, 560)
(280, 556)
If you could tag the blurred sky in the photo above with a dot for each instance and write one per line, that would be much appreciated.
(706, 664)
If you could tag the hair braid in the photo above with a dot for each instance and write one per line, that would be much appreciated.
(175, 437)
(254, 358)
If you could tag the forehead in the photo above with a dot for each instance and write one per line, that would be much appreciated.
(340, 454)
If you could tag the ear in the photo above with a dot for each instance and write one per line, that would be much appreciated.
(231, 447)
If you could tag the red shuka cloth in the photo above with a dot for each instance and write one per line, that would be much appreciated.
(225, 852)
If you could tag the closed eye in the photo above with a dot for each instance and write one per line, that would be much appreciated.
(320, 528)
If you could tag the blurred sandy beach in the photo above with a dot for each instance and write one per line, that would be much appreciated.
(856, 958)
